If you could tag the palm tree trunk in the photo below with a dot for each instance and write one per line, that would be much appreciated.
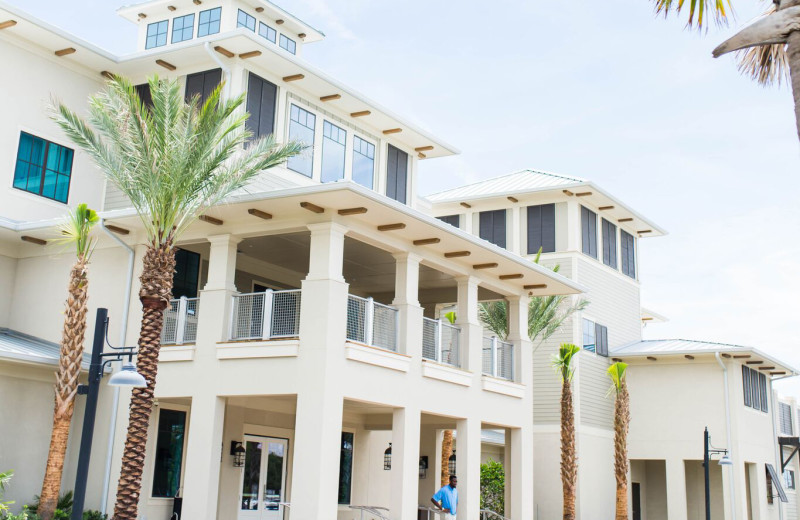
(569, 459)
(621, 422)
(793, 57)
(69, 369)
(155, 291)
(447, 450)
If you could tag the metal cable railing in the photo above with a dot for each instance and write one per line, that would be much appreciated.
(487, 514)
(498, 358)
(180, 321)
(440, 342)
(265, 315)
(374, 511)
(371, 323)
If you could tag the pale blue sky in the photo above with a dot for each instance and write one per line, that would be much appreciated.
(601, 90)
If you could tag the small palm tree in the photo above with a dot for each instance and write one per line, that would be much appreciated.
(562, 362)
(770, 47)
(75, 231)
(173, 160)
(622, 419)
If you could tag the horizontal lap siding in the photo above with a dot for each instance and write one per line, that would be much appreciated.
(597, 406)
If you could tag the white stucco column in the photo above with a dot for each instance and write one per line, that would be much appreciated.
(405, 463)
(222, 262)
(215, 297)
(515, 231)
(406, 299)
(471, 329)
(203, 454)
(318, 422)
(676, 489)
(468, 467)
(521, 472)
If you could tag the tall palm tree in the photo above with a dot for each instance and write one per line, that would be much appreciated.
(173, 160)
(447, 450)
(562, 362)
(75, 231)
(772, 43)
(622, 419)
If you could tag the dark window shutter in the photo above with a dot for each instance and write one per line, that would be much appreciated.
(589, 232)
(485, 227)
(261, 96)
(144, 94)
(492, 227)
(396, 174)
(628, 252)
(601, 340)
(202, 84)
(762, 380)
(453, 220)
(542, 228)
(746, 385)
(755, 393)
(609, 244)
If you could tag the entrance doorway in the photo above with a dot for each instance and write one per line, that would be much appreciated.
(636, 501)
(263, 478)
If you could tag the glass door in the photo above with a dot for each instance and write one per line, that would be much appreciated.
(263, 478)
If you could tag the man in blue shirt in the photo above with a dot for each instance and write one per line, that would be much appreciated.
(448, 497)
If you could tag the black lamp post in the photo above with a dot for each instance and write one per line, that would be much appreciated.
(708, 450)
(128, 376)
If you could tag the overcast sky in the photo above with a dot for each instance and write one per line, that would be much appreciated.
(600, 90)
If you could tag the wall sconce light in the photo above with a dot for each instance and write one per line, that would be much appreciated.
(238, 452)
(387, 458)
(423, 466)
(451, 463)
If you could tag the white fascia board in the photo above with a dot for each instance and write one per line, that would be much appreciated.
(733, 351)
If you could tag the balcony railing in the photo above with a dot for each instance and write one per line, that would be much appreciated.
(498, 358)
(265, 315)
(371, 323)
(440, 342)
(180, 321)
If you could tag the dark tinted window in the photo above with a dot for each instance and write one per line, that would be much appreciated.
(187, 274)
(396, 174)
(43, 168)
(542, 228)
(589, 232)
(261, 95)
(169, 453)
(493, 226)
(202, 84)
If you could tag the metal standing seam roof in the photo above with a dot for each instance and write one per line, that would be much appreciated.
(521, 180)
(22, 347)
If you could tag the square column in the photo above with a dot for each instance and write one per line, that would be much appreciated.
(676, 489)
(406, 299)
(518, 307)
(468, 468)
(520, 474)
(215, 297)
(222, 263)
(471, 340)
(203, 455)
(405, 463)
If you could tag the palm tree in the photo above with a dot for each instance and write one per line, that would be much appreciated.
(173, 160)
(447, 450)
(772, 43)
(546, 314)
(622, 419)
(75, 231)
(562, 362)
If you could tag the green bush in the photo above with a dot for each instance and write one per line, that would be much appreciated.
(25, 514)
(493, 487)
(94, 515)
(64, 504)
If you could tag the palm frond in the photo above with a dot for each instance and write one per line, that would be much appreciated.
(699, 11)
(617, 373)
(174, 159)
(562, 361)
(494, 316)
(76, 230)
(766, 64)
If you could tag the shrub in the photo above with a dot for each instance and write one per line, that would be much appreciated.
(493, 487)
(94, 515)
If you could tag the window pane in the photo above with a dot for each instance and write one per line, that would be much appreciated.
(208, 23)
(187, 272)
(288, 44)
(589, 341)
(333, 143)
(245, 20)
(273, 491)
(346, 468)
(301, 128)
(169, 453)
(252, 474)
(182, 28)
(156, 34)
(267, 32)
(43, 168)
(363, 162)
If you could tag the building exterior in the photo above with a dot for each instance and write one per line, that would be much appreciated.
(307, 368)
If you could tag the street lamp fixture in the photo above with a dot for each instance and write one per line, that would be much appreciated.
(709, 450)
(725, 461)
(128, 376)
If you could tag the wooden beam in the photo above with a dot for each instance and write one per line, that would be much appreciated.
(742, 356)
(171, 7)
(392, 131)
(225, 52)
(567, 193)
(626, 219)
(726, 355)
(142, 15)
(647, 319)
(279, 22)
(754, 362)
(643, 231)
(118, 230)
(7, 24)
(766, 368)
(465, 205)
(33, 240)
(421, 155)
(688, 356)
(605, 208)
(197, 2)
(352, 211)
(583, 194)
(391, 227)
(259, 9)
(360, 113)
(514, 276)
(456, 254)
(260, 214)
(210, 220)
(535, 286)
(488, 265)
(106, 74)
(312, 207)
(331, 97)
(512, 199)
(293, 77)
(301, 35)
(779, 373)
(249, 54)
(65, 52)
(423, 148)
(427, 241)
(166, 65)
(616, 360)
(651, 358)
